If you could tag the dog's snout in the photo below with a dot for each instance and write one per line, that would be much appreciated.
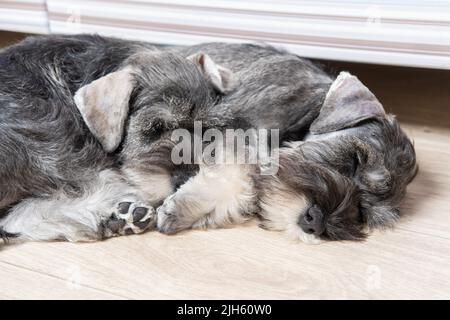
(312, 221)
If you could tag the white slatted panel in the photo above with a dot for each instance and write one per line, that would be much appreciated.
(410, 33)
(24, 16)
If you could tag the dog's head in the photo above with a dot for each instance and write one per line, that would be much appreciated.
(349, 178)
(308, 200)
(316, 193)
(339, 188)
(147, 94)
(132, 111)
(366, 145)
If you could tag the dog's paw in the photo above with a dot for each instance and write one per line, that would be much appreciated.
(168, 219)
(130, 218)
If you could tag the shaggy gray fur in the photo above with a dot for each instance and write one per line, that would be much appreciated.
(357, 170)
(46, 149)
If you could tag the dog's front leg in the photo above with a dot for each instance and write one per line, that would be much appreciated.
(107, 206)
(217, 196)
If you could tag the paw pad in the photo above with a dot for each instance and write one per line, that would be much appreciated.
(130, 218)
(123, 207)
(139, 213)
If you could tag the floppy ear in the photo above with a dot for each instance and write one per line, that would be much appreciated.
(221, 78)
(104, 106)
(347, 103)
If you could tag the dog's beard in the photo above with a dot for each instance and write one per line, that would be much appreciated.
(285, 197)
(280, 207)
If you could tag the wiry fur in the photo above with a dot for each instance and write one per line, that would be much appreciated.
(301, 176)
(380, 159)
(53, 169)
(62, 217)
(219, 195)
(356, 175)
(50, 161)
(276, 89)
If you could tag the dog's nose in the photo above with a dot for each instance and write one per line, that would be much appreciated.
(312, 221)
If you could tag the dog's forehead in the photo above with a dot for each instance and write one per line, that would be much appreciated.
(163, 74)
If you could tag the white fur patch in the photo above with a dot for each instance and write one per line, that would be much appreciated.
(219, 195)
(66, 218)
(153, 187)
(281, 209)
(229, 189)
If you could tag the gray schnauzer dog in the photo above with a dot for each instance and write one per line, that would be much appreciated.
(80, 119)
(86, 146)
(347, 176)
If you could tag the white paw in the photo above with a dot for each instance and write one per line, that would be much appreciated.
(167, 216)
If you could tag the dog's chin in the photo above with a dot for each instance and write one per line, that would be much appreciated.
(296, 233)
(292, 231)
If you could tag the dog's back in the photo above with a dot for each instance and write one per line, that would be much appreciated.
(277, 89)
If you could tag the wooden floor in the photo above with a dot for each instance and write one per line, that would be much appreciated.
(410, 262)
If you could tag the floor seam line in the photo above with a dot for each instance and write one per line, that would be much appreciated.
(61, 279)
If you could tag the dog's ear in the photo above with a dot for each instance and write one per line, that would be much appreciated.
(347, 103)
(221, 78)
(103, 104)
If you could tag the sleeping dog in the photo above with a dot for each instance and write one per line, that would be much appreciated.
(348, 176)
(80, 121)
(95, 165)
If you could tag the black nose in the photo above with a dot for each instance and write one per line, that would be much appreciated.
(313, 221)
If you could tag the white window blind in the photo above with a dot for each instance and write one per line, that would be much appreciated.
(409, 33)
(24, 16)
